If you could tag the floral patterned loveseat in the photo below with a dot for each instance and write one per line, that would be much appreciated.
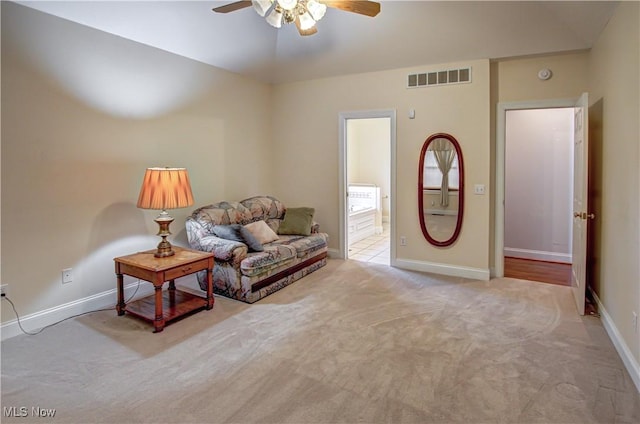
(245, 275)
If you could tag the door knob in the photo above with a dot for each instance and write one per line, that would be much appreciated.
(584, 215)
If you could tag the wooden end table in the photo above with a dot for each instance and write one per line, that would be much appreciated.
(161, 308)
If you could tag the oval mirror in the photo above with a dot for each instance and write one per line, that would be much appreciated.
(441, 189)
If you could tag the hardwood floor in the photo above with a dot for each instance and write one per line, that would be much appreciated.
(545, 272)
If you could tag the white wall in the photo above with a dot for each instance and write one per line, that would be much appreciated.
(538, 184)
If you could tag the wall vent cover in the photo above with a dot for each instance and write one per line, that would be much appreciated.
(444, 77)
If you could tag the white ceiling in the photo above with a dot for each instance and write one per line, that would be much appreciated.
(404, 34)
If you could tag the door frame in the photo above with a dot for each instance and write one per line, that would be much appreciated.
(343, 117)
(501, 118)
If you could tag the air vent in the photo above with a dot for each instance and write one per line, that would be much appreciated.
(447, 76)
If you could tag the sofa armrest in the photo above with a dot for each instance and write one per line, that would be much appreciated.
(315, 227)
(223, 250)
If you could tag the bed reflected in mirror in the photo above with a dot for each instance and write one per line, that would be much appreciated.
(441, 189)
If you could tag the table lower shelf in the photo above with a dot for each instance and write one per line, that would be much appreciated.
(175, 304)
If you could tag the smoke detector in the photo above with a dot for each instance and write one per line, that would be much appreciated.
(544, 74)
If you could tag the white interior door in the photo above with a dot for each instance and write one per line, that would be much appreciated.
(580, 201)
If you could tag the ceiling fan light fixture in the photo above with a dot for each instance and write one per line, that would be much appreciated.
(288, 4)
(306, 21)
(316, 9)
(262, 6)
(275, 18)
(304, 13)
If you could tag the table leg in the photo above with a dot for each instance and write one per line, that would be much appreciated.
(120, 305)
(158, 323)
(210, 299)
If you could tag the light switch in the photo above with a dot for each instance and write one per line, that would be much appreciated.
(479, 189)
(412, 113)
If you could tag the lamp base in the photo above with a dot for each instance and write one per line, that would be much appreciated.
(164, 247)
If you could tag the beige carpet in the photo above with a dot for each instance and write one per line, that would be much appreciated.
(353, 342)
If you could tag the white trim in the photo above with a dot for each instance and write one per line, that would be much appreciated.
(629, 361)
(37, 320)
(501, 113)
(343, 178)
(334, 254)
(443, 269)
(537, 255)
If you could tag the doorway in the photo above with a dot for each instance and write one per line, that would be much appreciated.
(367, 181)
(500, 151)
(581, 214)
(538, 194)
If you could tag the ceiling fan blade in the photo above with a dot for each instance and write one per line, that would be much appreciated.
(232, 7)
(367, 8)
(305, 32)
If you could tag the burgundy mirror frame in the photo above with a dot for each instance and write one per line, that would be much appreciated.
(423, 225)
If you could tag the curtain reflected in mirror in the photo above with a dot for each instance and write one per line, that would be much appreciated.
(440, 189)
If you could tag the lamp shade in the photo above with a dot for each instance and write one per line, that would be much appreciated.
(165, 188)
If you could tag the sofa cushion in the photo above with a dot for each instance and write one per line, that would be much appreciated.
(297, 221)
(223, 250)
(222, 213)
(305, 246)
(264, 207)
(274, 256)
(237, 232)
(262, 232)
(228, 232)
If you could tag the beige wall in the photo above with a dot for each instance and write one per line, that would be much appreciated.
(609, 72)
(76, 141)
(83, 113)
(516, 79)
(614, 67)
(306, 147)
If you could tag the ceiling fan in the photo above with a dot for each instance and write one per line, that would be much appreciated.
(304, 13)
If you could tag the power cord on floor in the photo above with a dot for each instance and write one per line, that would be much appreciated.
(29, 333)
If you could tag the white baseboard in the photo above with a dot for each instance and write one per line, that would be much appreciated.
(37, 320)
(629, 361)
(443, 269)
(334, 254)
(537, 255)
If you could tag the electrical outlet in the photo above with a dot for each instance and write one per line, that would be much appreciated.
(67, 275)
(403, 241)
(635, 321)
(4, 290)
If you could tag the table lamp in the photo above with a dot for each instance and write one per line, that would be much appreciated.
(162, 189)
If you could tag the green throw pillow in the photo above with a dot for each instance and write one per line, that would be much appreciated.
(297, 221)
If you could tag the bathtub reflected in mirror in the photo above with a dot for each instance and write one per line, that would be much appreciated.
(441, 189)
